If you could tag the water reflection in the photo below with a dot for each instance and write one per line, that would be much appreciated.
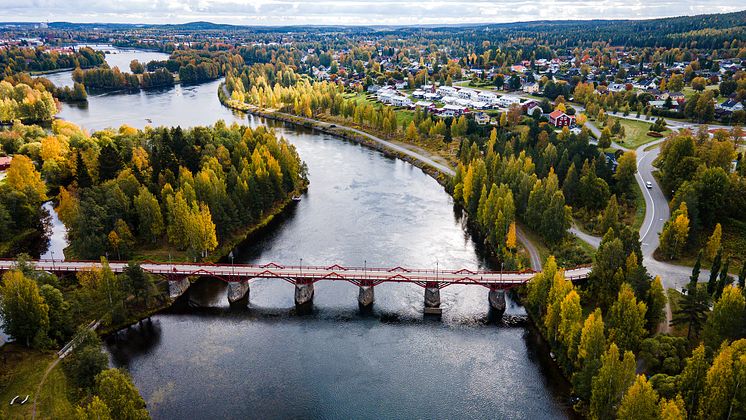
(205, 359)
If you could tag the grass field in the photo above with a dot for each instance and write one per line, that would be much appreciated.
(21, 370)
(689, 92)
(636, 133)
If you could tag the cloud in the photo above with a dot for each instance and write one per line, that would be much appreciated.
(349, 12)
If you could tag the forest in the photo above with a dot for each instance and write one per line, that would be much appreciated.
(130, 191)
(18, 60)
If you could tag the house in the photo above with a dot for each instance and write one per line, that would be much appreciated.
(481, 118)
(528, 104)
(401, 85)
(611, 160)
(400, 101)
(731, 105)
(467, 94)
(530, 88)
(447, 91)
(452, 110)
(374, 88)
(418, 93)
(559, 119)
(506, 101)
(423, 104)
(658, 104)
(487, 97)
(5, 162)
(533, 109)
(617, 87)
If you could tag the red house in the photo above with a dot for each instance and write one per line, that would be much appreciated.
(4, 162)
(559, 119)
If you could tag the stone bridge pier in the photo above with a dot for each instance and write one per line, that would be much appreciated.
(238, 290)
(365, 296)
(303, 292)
(432, 299)
(177, 288)
(497, 300)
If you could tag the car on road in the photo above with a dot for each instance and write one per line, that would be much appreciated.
(649, 185)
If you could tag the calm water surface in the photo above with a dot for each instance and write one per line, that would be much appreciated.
(203, 359)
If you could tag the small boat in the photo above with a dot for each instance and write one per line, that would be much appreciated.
(296, 198)
(25, 399)
(14, 399)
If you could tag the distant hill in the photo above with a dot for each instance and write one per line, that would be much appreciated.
(708, 31)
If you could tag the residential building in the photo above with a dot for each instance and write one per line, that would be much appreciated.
(559, 119)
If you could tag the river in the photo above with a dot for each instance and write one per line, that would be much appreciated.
(204, 359)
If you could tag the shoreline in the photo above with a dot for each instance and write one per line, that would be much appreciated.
(442, 175)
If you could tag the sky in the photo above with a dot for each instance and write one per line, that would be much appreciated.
(351, 12)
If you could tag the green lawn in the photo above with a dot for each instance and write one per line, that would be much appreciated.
(636, 133)
(21, 370)
(689, 92)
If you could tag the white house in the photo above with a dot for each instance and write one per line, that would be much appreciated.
(487, 97)
(530, 87)
(423, 104)
(481, 118)
(467, 94)
(731, 105)
(505, 101)
(447, 91)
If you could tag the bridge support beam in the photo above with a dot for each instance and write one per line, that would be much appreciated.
(497, 301)
(366, 296)
(432, 299)
(303, 293)
(238, 290)
(177, 288)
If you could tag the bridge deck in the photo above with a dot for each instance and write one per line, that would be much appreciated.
(295, 274)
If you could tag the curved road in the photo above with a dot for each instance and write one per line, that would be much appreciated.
(656, 214)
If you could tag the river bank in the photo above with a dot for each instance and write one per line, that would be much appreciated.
(439, 172)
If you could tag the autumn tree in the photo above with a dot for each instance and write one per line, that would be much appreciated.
(116, 390)
(727, 318)
(675, 233)
(626, 320)
(24, 313)
(610, 384)
(713, 244)
(22, 176)
(724, 393)
(656, 303)
(590, 349)
(625, 174)
(149, 215)
(640, 402)
(692, 380)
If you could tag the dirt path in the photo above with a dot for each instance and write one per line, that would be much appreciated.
(41, 383)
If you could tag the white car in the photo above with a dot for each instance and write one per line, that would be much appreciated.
(649, 185)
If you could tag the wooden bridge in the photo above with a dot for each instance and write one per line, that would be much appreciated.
(304, 277)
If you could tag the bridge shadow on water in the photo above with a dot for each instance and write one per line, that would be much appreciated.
(216, 306)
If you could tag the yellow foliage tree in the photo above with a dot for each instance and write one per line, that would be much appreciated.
(22, 176)
(511, 238)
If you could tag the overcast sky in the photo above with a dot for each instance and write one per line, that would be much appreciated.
(351, 12)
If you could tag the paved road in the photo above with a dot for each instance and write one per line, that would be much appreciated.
(656, 214)
(533, 252)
